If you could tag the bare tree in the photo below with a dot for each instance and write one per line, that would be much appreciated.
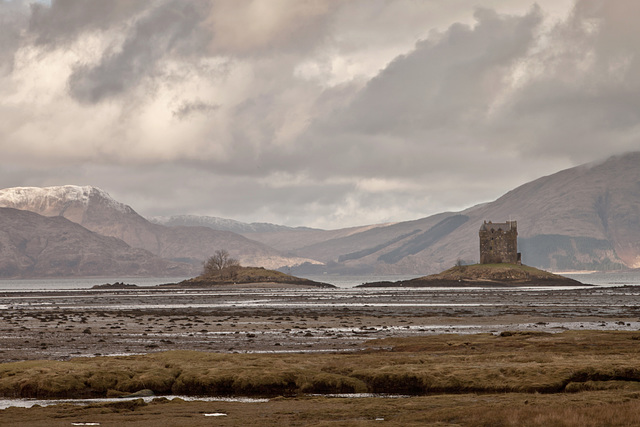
(220, 264)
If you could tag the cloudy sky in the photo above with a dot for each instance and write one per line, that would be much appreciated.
(324, 113)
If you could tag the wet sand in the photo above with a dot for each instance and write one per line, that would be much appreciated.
(61, 325)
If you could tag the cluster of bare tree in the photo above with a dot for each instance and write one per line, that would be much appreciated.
(221, 265)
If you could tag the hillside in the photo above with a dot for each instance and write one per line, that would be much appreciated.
(279, 237)
(95, 210)
(223, 224)
(313, 241)
(32, 245)
(583, 218)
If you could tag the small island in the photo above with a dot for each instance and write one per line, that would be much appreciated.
(222, 270)
(484, 275)
(115, 286)
(500, 265)
(243, 277)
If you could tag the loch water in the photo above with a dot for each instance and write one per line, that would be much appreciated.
(619, 278)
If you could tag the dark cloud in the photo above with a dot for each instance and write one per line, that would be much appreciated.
(13, 18)
(428, 106)
(453, 80)
(584, 101)
(195, 107)
(481, 97)
(63, 20)
(171, 29)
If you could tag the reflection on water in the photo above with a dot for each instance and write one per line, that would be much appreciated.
(353, 281)
(316, 298)
(28, 403)
(617, 278)
(249, 304)
(364, 395)
(342, 282)
(80, 283)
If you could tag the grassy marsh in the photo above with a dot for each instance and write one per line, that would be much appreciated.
(587, 409)
(518, 362)
(574, 378)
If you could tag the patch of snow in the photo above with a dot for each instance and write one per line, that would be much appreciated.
(41, 198)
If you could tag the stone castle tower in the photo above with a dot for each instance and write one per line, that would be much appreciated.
(499, 243)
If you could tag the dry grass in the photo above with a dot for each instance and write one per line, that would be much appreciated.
(512, 363)
(589, 409)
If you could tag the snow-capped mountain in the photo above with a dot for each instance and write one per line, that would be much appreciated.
(67, 200)
(95, 210)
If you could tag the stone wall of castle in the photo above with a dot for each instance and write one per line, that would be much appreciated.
(499, 243)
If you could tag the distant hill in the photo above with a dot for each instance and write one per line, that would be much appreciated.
(279, 237)
(95, 210)
(583, 218)
(32, 245)
(298, 240)
(365, 244)
(223, 224)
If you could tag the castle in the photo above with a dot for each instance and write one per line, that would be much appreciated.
(499, 243)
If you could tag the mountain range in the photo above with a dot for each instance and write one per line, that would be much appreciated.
(583, 218)
(94, 210)
(222, 224)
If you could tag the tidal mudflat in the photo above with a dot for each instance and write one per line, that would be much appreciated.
(563, 348)
(59, 325)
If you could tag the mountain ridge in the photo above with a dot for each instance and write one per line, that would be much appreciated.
(223, 224)
(95, 210)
